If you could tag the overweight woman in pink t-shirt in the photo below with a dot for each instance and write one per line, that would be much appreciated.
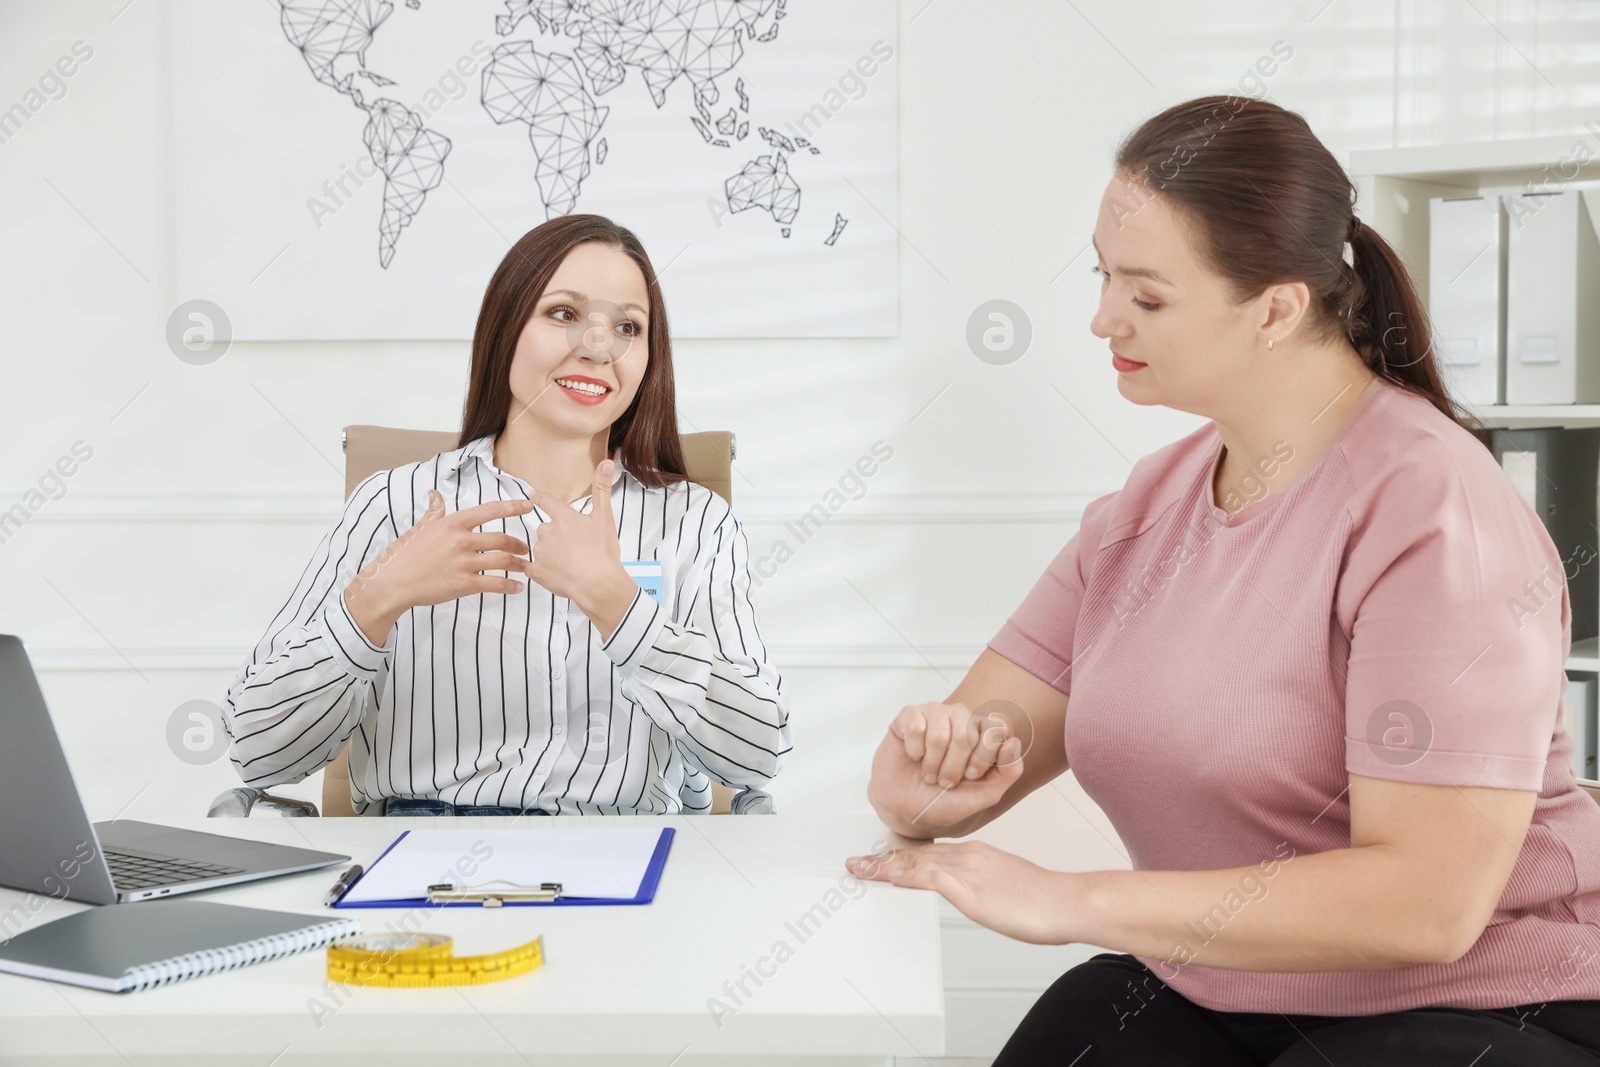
(1309, 661)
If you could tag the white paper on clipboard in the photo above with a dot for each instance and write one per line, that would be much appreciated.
(602, 862)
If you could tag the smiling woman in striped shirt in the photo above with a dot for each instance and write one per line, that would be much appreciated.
(475, 637)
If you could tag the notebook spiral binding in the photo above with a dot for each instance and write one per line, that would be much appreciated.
(211, 961)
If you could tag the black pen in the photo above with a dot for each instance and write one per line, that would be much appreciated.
(342, 886)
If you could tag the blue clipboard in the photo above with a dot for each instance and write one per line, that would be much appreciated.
(646, 893)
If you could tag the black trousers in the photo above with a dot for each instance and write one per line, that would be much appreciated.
(1089, 1018)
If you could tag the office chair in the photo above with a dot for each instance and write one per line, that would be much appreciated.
(368, 449)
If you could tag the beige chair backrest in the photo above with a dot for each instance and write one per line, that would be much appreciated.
(1592, 788)
(707, 456)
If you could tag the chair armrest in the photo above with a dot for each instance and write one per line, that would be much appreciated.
(243, 801)
(752, 801)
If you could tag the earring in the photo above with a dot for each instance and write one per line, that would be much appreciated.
(1269, 344)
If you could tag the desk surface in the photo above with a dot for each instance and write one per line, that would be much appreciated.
(859, 978)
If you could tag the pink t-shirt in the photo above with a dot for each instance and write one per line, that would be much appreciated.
(1396, 611)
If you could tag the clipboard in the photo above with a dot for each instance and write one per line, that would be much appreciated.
(643, 895)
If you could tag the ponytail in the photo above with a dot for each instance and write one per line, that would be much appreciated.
(1388, 323)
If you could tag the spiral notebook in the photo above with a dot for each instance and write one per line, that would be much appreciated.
(125, 947)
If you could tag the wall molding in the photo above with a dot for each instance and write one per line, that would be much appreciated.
(227, 503)
(59, 653)
(181, 506)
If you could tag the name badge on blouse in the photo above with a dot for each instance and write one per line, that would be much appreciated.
(646, 572)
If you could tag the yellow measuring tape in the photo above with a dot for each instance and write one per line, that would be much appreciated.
(405, 961)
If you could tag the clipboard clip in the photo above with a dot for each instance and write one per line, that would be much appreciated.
(480, 893)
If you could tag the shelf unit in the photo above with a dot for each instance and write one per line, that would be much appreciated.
(1512, 416)
(1396, 185)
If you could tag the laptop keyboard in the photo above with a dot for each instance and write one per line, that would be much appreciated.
(142, 870)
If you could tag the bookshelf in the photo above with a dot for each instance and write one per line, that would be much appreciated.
(1396, 185)
(1512, 416)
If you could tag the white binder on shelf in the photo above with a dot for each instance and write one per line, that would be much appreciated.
(1467, 295)
(1580, 709)
(1552, 300)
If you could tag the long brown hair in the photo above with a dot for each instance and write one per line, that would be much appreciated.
(647, 432)
(1271, 204)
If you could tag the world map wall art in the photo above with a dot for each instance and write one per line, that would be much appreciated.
(355, 169)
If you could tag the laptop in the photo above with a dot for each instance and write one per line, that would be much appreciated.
(48, 845)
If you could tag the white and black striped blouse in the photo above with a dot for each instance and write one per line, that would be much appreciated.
(513, 699)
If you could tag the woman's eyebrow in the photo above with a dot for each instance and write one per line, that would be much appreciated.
(1135, 272)
(583, 298)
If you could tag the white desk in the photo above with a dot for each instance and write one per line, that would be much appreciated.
(620, 985)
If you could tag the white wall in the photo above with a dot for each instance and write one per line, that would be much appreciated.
(209, 486)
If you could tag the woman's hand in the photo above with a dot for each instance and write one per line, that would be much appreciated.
(441, 557)
(579, 557)
(991, 887)
(940, 764)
